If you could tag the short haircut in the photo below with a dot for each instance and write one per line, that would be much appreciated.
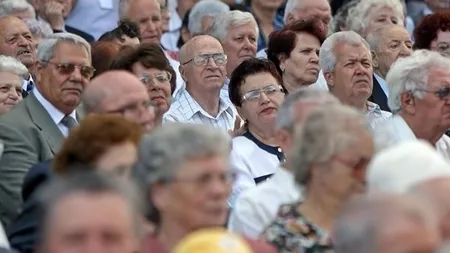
(428, 28)
(247, 68)
(38, 28)
(9, 7)
(103, 54)
(10, 64)
(92, 139)
(283, 42)
(231, 19)
(202, 9)
(149, 55)
(125, 28)
(48, 46)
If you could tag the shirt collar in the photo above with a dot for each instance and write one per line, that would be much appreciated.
(196, 108)
(175, 21)
(54, 113)
(373, 108)
(383, 84)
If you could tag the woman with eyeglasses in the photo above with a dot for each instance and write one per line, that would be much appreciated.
(256, 91)
(148, 62)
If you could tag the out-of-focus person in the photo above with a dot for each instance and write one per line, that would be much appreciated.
(12, 72)
(165, 15)
(17, 8)
(202, 15)
(125, 34)
(433, 33)
(39, 31)
(295, 52)
(103, 54)
(338, 23)
(331, 167)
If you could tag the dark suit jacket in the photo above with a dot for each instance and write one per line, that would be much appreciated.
(378, 96)
(23, 232)
(30, 136)
(82, 34)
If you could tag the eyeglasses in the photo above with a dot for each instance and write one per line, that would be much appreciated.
(201, 60)
(160, 77)
(442, 93)
(254, 95)
(68, 68)
(134, 108)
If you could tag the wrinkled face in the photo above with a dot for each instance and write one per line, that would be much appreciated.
(302, 66)
(442, 43)
(240, 44)
(395, 43)
(197, 195)
(101, 223)
(147, 13)
(351, 79)
(118, 159)
(312, 10)
(260, 111)
(68, 5)
(16, 41)
(379, 17)
(10, 91)
(62, 89)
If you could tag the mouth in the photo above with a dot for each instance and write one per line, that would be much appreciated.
(268, 110)
(24, 52)
(314, 70)
(246, 57)
(212, 77)
(158, 98)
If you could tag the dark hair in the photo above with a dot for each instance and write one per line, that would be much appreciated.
(184, 25)
(149, 55)
(103, 54)
(282, 42)
(427, 30)
(246, 68)
(126, 27)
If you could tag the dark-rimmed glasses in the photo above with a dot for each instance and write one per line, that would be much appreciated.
(254, 95)
(201, 60)
(68, 68)
(441, 93)
(160, 77)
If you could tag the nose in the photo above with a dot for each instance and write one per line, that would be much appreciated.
(249, 44)
(314, 58)
(151, 26)
(76, 75)
(13, 94)
(211, 63)
(24, 42)
(405, 51)
(263, 98)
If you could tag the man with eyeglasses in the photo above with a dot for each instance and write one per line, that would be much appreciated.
(34, 131)
(419, 98)
(203, 68)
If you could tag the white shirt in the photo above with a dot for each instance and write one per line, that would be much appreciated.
(321, 83)
(252, 161)
(169, 40)
(257, 207)
(375, 116)
(180, 82)
(383, 84)
(395, 130)
(186, 109)
(54, 113)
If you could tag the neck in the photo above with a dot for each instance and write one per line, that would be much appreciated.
(208, 100)
(266, 136)
(170, 234)
(265, 16)
(291, 84)
(379, 72)
(422, 130)
(359, 104)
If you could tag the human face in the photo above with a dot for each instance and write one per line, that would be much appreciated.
(379, 17)
(395, 43)
(261, 112)
(91, 223)
(442, 43)
(118, 159)
(197, 195)
(60, 89)
(16, 41)
(351, 79)
(67, 4)
(302, 66)
(147, 13)
(240, 44)
(158, 90)
(209, 77)
(312, 10)
(10, 91)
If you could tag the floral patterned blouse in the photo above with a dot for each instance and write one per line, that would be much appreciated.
(291, 232)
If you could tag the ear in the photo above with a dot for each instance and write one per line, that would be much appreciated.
(182, 72)
(329, 78)
(38, 69)
(375, 63)
(408, 102)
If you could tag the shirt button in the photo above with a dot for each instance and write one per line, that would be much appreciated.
(280, 150)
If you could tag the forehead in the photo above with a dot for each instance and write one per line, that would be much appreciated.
(11, 26)
(71, 52)
(206, 164)
(318, 5)
(249, 28)
(306, 40)
(206, 46)
(350, 51)
(438, 77)
(395, 32)
(443, 36)
(148, 6)
(258, 80)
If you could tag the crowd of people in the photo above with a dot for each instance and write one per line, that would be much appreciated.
(224, 126)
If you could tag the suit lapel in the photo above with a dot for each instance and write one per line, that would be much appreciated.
(378, 96)
(45, 123)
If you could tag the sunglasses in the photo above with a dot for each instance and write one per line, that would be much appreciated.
(441, 93)
(68, 68)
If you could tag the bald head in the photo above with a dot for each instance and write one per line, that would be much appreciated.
(192, 46)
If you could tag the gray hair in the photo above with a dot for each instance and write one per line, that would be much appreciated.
(202, 9)
(357, 16)
(39, 28)
(317, 140)
(231, 19)
(162, 153)
(339, 19)
(47, 47)
(89, 183)
(9, 7)
(286, 116)
(411, 73)
(291, 6)
(10, 64)
(327, 57)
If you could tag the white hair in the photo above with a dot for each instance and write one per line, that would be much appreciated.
(10, 64)
(47, 47)
(38, 28)
(411, 73)
(327, 57)
(357, 18)
(291, 6)
(202, 9)
(231, 19)
(9, 7)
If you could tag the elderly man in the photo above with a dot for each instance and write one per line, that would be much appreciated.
(90, 213)
(34, 131)
(202, 15)
(419, 98)
(346, 62)
(387, 44)
(203, 69)
(386, 224)
(256, 208)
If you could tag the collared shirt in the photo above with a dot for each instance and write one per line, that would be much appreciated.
(169, 40)
(375, 116)
(25, 83)
(257, 207)
(395, 130)
(223, 92)
(54, 113)
(383, 84)
(187, 110)
(321, 83)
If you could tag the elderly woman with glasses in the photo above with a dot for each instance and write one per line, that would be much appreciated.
(148, 62)
(12, 73)
(256, 91)
(433, 33)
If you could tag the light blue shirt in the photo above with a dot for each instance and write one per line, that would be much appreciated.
(383, 84)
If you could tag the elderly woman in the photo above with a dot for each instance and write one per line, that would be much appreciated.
(330, 168)
(433, 33)
(369, 15)
(12, 73)
(149, 63)
(256, 91)
(295, 52)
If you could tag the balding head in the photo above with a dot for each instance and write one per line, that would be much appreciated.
(191, 47)
(16, 40)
